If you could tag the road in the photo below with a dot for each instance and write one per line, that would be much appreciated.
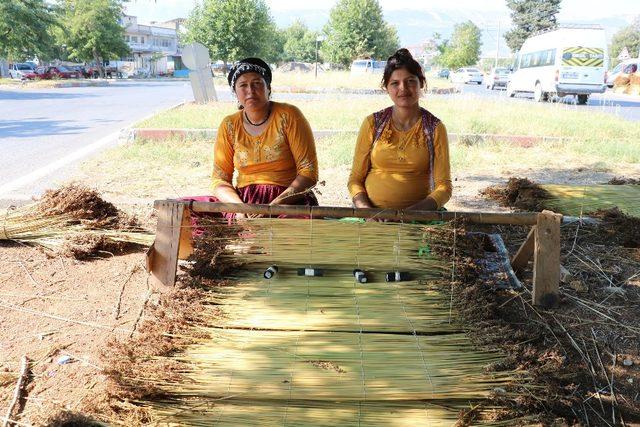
(45, 133)
(622, 106)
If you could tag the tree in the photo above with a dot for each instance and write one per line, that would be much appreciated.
(25, 28)
(528, 17)
(233, 29)
(93, 30)
(299, 43)
(463, 49)
(356, 28)
(628, 37)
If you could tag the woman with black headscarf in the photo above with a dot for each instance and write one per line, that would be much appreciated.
(269, 144)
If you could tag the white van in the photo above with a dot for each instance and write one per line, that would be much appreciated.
(361, 66)
(570, 60)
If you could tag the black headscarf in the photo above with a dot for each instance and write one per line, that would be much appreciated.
(249, 65)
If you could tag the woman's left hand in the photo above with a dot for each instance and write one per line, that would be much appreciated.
(427, 204)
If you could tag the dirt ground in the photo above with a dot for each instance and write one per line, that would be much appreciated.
(60, 313)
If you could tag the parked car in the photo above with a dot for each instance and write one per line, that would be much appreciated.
(59, 72)
(367, 66)
(568, 60)
(444, 73)
(629, 66)
(21, 71)
(92, 70)
(82, 72)
(498, 77)
(466, 75)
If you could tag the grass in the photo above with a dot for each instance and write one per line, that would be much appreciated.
(461, 114)
(41, 84)
(10, 82)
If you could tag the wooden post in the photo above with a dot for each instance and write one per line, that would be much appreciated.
(525, 252)
(546, 260)
(162, 258)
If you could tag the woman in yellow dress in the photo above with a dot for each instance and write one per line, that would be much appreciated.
(269, 145)
(401, 160)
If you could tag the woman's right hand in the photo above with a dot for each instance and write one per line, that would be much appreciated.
(361, 201)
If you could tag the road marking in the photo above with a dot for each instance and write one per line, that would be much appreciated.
(58, 164)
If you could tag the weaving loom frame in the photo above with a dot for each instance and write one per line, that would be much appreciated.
(542, 243)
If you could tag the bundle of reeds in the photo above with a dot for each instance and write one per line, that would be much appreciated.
(330, 350)
(580, 199)
(574, 200)
(72, 219)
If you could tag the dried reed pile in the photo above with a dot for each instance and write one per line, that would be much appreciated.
(571, 200)
(329, 350)
(73, 220)
(577, 200)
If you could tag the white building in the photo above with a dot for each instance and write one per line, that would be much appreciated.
(154, 47)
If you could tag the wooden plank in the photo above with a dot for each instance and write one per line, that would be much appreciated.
(546, 260)
(516, 218)
(521, 259)
(163, 257)
(186, 244)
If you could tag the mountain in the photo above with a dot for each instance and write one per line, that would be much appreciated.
(415, 26)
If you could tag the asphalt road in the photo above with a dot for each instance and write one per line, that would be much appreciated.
(45, 133)
(622, 106)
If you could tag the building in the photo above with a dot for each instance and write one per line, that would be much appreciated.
(154, 47)
(424, 53)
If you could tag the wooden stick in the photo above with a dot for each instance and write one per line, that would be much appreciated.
(116, 310)
(22, 379)
(525, 252)
(513, 218)
(546, 260)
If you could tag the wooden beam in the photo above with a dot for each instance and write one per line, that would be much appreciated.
(162, 258)
(546, 260)
(516, 218)
(521, 259)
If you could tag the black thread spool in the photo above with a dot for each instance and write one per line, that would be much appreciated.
(397, 276)
(270, 272)
(360, 275)
(310, 272)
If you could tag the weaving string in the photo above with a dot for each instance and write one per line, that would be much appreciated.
(301, 350)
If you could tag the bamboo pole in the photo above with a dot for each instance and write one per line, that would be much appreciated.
(512, 218)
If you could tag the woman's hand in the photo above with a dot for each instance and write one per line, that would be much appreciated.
(295, 191)
(225, 193)
(361, 201)
(427, 204)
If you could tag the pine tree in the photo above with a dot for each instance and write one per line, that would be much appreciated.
(529, 17)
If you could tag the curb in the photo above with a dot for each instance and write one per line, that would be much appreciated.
(129, 134)
(80, 84)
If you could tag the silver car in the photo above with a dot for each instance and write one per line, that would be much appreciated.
(498, 77)
(466, 75)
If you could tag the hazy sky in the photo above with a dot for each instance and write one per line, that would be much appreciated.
(573, 10)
